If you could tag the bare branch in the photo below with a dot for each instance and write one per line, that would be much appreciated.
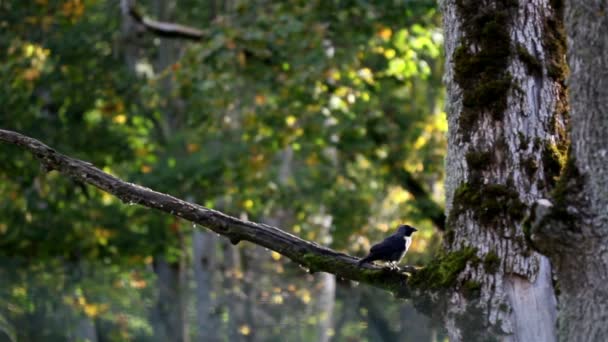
(423, 200)
(169, 30)
(308, 254)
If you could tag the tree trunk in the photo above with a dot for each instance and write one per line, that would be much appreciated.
(203, 264)
(129, 35)
(327, 295)
(506, 115)
(169, 313)
(574, 233)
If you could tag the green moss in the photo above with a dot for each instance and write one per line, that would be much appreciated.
(449, 236)
(538, 143)
(477, 160)
(568, 193)
(524, 141)
(482, 74)
(487, 202)
(526, 227)
(554, 43)
(533, 65)
(491, 262)
(530, 166)
(474, 325)
(569, 183)
(441, 273)
(471, 289)
(553, 162)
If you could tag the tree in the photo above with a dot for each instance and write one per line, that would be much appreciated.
(572, 230)
(506, 146)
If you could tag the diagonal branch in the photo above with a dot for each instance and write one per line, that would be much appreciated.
(165, 29)
(308, 254)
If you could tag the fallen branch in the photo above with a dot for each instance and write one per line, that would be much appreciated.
(308, 254)
(169, 30)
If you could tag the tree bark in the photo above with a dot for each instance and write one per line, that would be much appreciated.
(574, 231)
(506, 136)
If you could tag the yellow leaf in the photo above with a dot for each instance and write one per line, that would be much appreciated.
(384, 33)
(260, 99)
(290, 120)
(248, 204)
(31, 74)
(277, 299)
(390, 53)
(106, 198)
(242, 58)
(193, 147)
(91, 310)
(244, 330)
(305, 296)
(120, 119)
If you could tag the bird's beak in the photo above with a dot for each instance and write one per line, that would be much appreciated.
(414, 229)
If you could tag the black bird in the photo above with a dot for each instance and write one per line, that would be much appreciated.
(393, 248)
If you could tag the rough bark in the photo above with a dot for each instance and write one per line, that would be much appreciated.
(574, 229)
(313, 257)
(506, 124)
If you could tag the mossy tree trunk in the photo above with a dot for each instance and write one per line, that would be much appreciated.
(574, 232)
(507, 142)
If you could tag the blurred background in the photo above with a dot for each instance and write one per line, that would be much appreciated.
(322, 117)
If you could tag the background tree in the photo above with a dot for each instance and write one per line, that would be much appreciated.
(572, 231)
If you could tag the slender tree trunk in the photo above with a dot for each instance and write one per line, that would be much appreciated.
(129, 35)
(235, 294)
(85, 330)
(327, 296)
(575, 231)
(506, 115)
(203, 264)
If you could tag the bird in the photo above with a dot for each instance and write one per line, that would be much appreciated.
(391, 249)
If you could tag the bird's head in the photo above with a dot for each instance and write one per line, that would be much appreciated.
(406, 230)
